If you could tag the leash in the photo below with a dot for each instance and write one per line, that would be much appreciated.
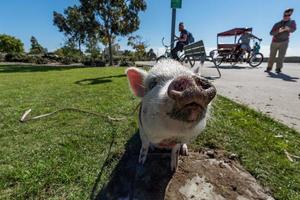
(25, 117)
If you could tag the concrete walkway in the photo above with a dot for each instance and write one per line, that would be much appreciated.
(277, 95)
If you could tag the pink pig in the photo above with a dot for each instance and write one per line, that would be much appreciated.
(174, 106)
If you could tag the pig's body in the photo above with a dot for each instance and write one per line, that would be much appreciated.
(173, 108)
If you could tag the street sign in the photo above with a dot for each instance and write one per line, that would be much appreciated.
(176, 3)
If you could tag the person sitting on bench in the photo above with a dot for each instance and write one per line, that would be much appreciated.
(181, 41)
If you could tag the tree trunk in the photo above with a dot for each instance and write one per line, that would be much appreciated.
(110, 51)
(79, 45)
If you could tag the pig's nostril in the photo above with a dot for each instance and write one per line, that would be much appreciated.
(181, 83)
(204, 84)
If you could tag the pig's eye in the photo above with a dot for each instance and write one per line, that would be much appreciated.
(152, 84)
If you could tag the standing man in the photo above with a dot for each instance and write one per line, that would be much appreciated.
(281, 32)
(181, 41)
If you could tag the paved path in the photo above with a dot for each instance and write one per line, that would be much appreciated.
(273, 94)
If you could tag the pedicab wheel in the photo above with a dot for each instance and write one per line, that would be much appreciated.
(160, 58)
(215, 57)
(256, 59)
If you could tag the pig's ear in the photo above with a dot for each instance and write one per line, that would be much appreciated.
(136, 80)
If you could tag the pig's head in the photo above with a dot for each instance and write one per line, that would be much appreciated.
(171, 93)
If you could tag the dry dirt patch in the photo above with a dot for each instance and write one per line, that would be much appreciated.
(213, 175)
(205, 175)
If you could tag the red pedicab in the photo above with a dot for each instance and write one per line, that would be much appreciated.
(232, 52)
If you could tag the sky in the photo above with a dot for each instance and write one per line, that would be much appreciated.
(203, 18)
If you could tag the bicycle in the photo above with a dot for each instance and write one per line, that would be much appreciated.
(255, 58)
(167, 54)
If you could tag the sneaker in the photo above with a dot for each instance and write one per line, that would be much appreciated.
(267, 70)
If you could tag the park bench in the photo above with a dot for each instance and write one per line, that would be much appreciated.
(196, 52)
(191, 53)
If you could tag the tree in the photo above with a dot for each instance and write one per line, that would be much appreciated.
(113, 18)
(69, 53)
(36, 48)
(73, 24)
(93, 48)
(10, 44)
(137, 43)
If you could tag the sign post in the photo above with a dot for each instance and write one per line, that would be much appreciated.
(174, 4)
(173, 27)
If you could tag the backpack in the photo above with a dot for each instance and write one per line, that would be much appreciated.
(190, 38)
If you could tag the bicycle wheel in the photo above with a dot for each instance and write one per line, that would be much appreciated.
(256, 59)
(215, 57)
(233, 61)
(161, 58)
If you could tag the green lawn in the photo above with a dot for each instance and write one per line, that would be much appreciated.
(60, 157)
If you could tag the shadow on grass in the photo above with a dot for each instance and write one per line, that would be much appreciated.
(130, 180)
(283, 76)
(34, 68)
(99, 80)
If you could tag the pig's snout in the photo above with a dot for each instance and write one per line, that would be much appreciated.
(191, 96)
(185, 90)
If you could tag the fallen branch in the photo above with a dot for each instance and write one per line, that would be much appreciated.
(290, 156)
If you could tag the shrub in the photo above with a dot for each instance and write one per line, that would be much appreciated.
(19, 57)
(2, 57)
(37, 59)
(125, 62)
(117, 60)
(94, 62)
(69, 54)
(16, 57)
(52, 57)
(10, 44)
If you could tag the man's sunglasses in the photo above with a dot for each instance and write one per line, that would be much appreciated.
(287, 15)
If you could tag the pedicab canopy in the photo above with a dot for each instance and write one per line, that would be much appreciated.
(235, 31)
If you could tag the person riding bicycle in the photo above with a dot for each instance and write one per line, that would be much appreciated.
(182, 40)
(245, 42)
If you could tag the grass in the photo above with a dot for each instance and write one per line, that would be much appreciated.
(61, 157)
